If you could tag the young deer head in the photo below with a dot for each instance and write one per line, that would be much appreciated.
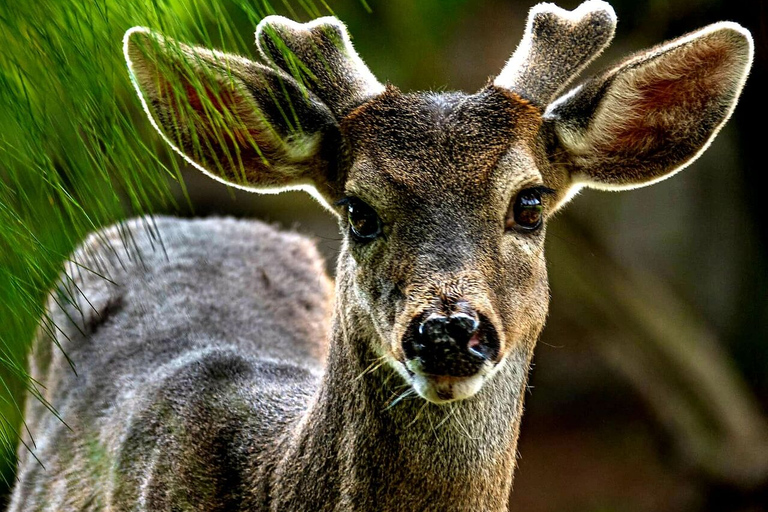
(443, 198)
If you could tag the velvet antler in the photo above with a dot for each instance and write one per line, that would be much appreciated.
(319, 54)
(557, 45)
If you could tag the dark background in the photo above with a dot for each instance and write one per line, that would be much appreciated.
(650, 385)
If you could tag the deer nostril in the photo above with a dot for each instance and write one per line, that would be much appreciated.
(462, 326)
(434, 329)
(457, 328)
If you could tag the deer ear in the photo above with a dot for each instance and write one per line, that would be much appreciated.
(238, 121)
(649, 117)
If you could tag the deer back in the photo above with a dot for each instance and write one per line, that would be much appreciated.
(172, 336)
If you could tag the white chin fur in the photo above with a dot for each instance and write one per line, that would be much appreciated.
(447, 391)
(442, 390)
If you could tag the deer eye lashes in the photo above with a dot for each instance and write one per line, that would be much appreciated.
(544, 191)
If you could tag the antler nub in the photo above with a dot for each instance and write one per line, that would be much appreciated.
(319, 54)
(556, 46)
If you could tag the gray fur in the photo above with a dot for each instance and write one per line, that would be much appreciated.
(177, 328)
(203, 381)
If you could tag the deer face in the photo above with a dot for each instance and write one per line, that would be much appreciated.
(444, 211)
(443, 198)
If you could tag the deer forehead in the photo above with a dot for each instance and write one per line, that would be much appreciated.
(416, 146)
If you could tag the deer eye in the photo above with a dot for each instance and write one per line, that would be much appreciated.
(527, 211)
(364, 223)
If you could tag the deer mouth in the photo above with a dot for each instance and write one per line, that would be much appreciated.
(441, 389)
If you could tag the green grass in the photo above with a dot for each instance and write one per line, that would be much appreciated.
(76, 152)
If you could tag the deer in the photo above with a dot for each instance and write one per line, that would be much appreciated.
(219, 368)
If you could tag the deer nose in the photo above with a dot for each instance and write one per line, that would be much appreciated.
(455, 345)
(457, 328)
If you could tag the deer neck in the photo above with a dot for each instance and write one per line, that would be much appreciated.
(362, 447)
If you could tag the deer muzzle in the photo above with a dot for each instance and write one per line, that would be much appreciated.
(449, 355)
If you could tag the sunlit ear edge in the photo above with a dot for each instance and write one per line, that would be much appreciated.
(307, 186)
(581, 181)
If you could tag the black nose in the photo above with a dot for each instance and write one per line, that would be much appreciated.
(457, 328)
(456, 345)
